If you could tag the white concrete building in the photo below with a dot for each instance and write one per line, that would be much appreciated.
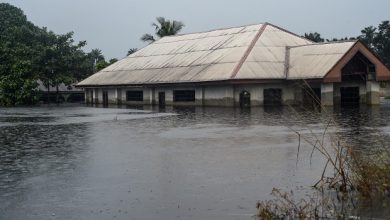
(251, 65)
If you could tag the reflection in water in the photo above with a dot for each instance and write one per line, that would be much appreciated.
(27, 151)
(181, 163)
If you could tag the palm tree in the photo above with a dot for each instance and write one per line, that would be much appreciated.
(368, 36)
(96, 56)
(163, 27)
(315, 37)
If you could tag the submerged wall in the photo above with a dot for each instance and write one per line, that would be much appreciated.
(229, 95)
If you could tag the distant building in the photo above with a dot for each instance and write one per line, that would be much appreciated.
(251, 65)
(66, 93)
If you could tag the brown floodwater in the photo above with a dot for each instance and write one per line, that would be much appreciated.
(80, 162)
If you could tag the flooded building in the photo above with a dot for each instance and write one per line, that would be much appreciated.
(252, 65)
(60, 93)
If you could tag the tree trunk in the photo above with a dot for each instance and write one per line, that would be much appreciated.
(48, 93)
(57, 94)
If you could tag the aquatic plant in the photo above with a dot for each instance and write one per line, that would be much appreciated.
(350, 179)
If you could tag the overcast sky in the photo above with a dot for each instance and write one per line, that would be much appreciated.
(114, 26)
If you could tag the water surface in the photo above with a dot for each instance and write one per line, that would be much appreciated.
(78, 162)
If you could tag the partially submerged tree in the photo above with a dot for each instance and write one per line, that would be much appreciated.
(29, 53)
(63, 61)
(20, 44)
(163, 27)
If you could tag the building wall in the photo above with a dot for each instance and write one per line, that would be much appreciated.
(216, 95)
(219, 95)
(257, 93)
(229, 95)
(199, 94)
(147, 96)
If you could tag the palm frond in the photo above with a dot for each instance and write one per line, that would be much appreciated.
(161, 20)
(148, 38)
(131, 51)
(177, 26)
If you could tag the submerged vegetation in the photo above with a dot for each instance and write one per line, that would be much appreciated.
(351, 181)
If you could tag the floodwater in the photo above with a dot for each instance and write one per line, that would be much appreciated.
(79, 162)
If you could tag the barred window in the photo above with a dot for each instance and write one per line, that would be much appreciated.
(184, 96)
(135, 96)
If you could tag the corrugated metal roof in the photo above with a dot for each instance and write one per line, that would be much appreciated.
(315, 61)
(249, 52)
(267, 58)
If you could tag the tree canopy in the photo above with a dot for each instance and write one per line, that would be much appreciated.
(20, 52)
(29, 53)
(163, 27)
(315, 37)
(378, 39)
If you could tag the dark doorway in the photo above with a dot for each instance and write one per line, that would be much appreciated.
(105, 98)
(350, 96)
(245, 99)
(272, 97)
(161, 99)
(119, 97)
(91, 95)
(311, 96)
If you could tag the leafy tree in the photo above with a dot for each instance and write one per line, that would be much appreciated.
(19, 49)
(368, 35)
(113, 60)
(62, 61)
(29, 53)
(382, 41)
(101, 64)
(340, 39)
(96, 56)
(131, 51)
(315, 37)
(163, 27)
(378, 39)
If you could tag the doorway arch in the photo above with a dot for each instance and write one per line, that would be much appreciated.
(245, 99)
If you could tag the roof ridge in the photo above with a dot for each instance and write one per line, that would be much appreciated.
(248, 51)
(325, 43)
(289, 32)
(216, 29)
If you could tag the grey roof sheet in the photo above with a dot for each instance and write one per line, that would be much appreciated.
(248, 52)
(315, 61)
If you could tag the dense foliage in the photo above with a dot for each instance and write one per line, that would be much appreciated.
(20, 49)
(314, 36)
(378, 39)
(29, 53)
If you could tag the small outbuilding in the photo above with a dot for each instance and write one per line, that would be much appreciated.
(252, 65)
